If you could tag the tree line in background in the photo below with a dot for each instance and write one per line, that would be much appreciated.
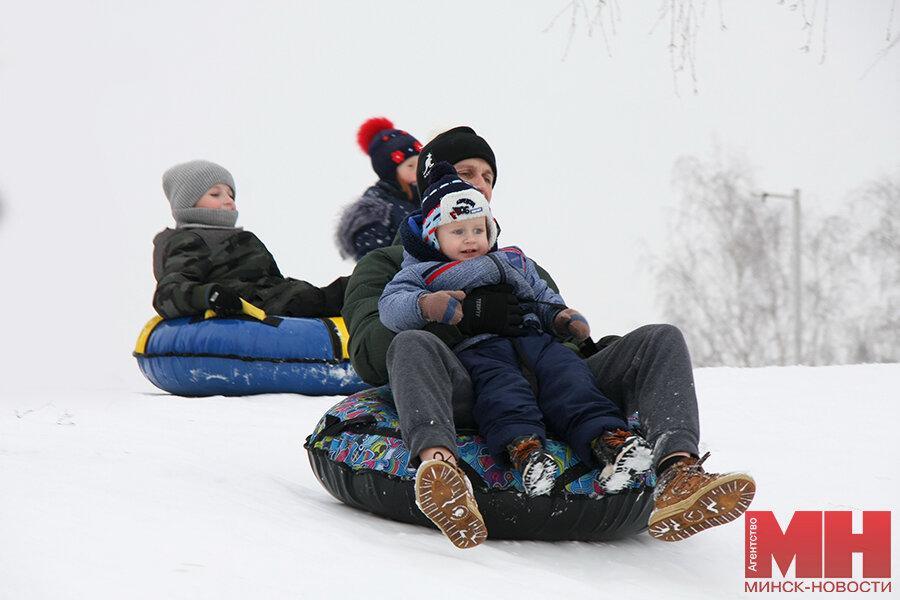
(726, 278)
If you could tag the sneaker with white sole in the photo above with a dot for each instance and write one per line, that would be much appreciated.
(688, 500)
(444, 494)
(537, 466)
(624, 455)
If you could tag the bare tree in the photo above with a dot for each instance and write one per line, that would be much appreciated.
(874, 326)
(721, 279)
(683, 20)
(725, 277)
(827, 289)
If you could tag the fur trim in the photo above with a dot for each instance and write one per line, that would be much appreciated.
(365, 211)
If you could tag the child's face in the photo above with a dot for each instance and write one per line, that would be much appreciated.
(218, 196)
(464, 239)
(406, 172)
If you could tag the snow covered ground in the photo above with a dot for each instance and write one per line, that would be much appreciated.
(133, 493)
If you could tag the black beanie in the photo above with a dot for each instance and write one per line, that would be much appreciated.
(453, 146)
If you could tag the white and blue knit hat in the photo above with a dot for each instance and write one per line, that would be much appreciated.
(448, 199)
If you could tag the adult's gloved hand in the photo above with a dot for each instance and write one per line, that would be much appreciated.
(493, 309)
(443, 306)
(571, 322)
(223, 300)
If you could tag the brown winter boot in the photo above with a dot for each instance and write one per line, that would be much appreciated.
(444, 494)
(689, 500)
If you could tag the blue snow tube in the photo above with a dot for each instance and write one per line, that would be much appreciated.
(242, 356)
(357, 454)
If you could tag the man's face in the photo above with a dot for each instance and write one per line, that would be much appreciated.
(477, 172)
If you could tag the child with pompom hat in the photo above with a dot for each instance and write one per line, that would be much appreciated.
(372, 221)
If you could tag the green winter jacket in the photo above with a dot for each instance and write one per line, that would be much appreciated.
(187, 262)
(369, 338)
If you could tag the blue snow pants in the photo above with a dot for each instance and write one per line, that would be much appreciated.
(568, 401)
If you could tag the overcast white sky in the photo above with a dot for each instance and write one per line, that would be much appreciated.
(98, 98)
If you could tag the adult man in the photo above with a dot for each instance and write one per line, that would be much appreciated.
(646, 371)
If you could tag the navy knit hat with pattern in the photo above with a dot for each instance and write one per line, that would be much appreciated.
(386, 146)
(453, 146)
(449, 199)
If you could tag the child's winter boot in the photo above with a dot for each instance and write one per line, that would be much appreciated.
(624, 456)
(537, 466)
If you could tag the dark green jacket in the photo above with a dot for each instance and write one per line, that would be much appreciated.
(369, 338)
(186, 262)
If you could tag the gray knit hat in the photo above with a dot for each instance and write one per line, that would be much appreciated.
(185, 183)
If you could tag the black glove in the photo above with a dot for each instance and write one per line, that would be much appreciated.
(223, 300)
(493, 309)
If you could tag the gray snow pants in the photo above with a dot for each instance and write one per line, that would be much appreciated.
(647, 371)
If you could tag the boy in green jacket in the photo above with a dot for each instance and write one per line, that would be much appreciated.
(208, 263)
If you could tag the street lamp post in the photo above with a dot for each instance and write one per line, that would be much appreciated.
(797, 284)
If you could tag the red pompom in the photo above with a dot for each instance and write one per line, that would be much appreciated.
(368, 130)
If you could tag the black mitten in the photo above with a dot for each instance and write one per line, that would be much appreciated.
(493, 309)
(223, 300)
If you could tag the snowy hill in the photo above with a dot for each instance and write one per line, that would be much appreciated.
(132, 493)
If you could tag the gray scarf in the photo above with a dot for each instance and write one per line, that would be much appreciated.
(211, 218)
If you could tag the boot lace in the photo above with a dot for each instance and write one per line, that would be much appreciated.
(689, 468)
(696, 466)
(438, 455)
(617, 437)
(521, 452)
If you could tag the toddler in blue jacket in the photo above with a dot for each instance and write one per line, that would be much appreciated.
(527, 382)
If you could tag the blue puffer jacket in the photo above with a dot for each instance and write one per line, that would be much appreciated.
(427, 270)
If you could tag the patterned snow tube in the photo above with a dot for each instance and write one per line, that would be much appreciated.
(243, 356)
(358, 456)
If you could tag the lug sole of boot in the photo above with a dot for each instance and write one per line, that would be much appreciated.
(632, 462)
(540, 477)
(719, 502)
(443, 496)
